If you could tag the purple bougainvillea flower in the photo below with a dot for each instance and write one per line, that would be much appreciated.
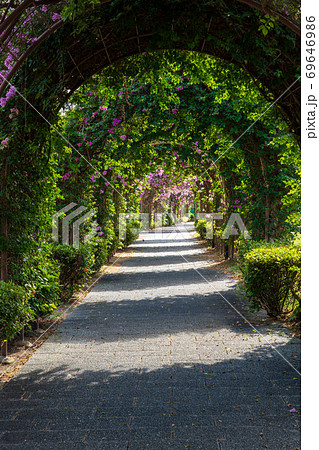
(104, 172)
(174, 111)
(123, 136)
(292, 410)
(56, 17)
(116, 122)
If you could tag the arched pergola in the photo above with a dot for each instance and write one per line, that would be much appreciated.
(35, 39)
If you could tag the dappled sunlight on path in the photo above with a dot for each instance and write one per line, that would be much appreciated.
(155, 358)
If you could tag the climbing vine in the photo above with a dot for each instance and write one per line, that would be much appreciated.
(155, 132)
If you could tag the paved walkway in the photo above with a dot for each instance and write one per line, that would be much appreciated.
(154, 359)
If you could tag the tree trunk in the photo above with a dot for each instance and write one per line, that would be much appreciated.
(267, 200)
(4, 222)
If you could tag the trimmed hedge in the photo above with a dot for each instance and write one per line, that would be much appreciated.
(272, 278)
(15, 310)
(75, 266)
(50, 278)
(200, 226)
(39, 275)
(271, 272)
(130, 234)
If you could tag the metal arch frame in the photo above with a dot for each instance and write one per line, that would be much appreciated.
(265, 6)
(8, 23)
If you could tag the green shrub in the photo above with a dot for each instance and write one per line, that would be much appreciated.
(46, 293)
(296, 240)
(244, 246)
(131, 234)
(272, 277)
(168, 221)
(112, 240)
(39, 275)
(201, 228)
(101, 251)
(15, 311)
(75, 266)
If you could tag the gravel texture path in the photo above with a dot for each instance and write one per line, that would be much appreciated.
(159, 356)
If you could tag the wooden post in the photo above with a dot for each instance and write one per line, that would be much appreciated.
(4, 349)
(4, 252)
(4, 223)
(267, 199)
(267, 218)
(226, 252)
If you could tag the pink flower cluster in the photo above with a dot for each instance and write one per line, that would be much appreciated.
(14, 111)
(4, 143)
(56, 17)
(9, 94)
(115, 123)
(66, 175)
(21, 38)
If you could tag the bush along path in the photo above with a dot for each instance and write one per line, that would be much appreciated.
(156, 133)
(270, 271)
(23, 310)
(163, 353)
